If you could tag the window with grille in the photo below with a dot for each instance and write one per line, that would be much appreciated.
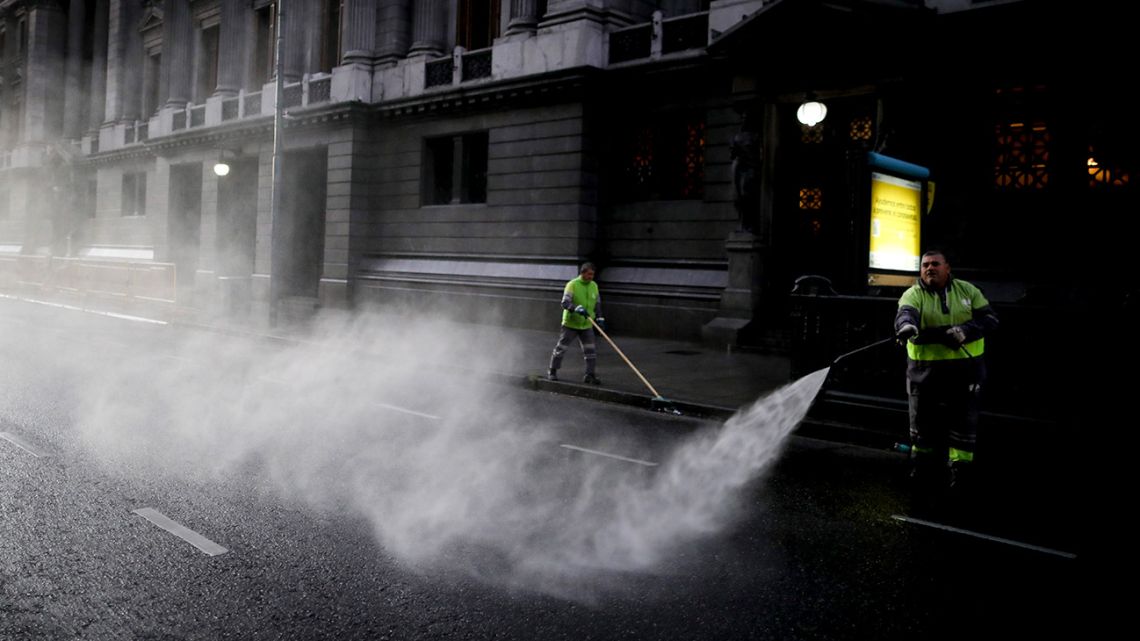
(1104, 172)
(661, 160)
(1023, 143)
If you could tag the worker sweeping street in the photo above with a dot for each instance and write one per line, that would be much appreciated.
(943, 321)
(581, 303)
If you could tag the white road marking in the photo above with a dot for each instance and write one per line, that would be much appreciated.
(987, 537)
(181, 531)
(608, 455)
(138, 319)
(24, 445)
(397, 408)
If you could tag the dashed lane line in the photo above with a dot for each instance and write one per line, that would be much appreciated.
(181, 531)
(608, 455)
(397, 408)
(24, 445)
(987, 537)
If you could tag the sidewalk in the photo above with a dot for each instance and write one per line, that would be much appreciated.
(696, 379)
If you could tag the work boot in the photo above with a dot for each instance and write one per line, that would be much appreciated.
(960, 477)
(926, 473)
(590, 379)
(552, 375)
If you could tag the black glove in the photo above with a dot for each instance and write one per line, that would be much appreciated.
(906, 332)
(581, 310)
(601, 323)
(955, 336)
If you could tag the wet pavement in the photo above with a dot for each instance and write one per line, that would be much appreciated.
(833, 542)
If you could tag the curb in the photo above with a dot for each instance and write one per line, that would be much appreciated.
(610, 395)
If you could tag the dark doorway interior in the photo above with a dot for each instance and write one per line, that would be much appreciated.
(237, 219)
(185, 223)
(303, 221)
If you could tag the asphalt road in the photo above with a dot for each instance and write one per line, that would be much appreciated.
(359, 492)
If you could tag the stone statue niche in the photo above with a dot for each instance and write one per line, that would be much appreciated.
(746, 156)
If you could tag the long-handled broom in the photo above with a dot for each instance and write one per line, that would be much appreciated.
(658, 402)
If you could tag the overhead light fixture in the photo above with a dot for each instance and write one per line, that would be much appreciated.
(222, 166)
(811, 112)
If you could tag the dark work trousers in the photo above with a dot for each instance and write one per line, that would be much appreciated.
(944, 402)
(585, 338)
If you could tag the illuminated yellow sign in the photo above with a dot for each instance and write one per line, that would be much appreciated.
(895, 207)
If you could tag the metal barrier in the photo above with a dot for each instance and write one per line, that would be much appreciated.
(1029, 371)
(128, 280)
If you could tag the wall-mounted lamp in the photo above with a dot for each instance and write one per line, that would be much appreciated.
(222, 166)
(812, 112)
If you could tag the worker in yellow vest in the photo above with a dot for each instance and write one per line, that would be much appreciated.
(580, 303)
(943, 321)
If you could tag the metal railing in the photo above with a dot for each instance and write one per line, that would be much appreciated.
(685, 32)
(476, 64)
(320, 90)
(252, 106)
(197, 115)
(230, 108)
(659, 37)
(89, 277)
(438, 73)
(631, 43)
(294, 96)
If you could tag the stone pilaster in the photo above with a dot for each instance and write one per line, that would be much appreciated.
(293, 18)
(359, 31)
(428, 28)
(98, 87)
(75, 102)
(394, 26)
(232, 46)
(177, 48)
(43, 80)
(524, 17)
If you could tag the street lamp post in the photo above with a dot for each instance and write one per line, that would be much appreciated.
(277, 235)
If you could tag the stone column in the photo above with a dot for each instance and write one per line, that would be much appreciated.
(43, 80)
(293, 17)
(524, 17)
(74, 99)
(98, 86)
(359, 31)
(8, 113)
(131, 109)
(313, 23)
(394, 28)
(177, 48)
(231, 46)
(428, 28)
(117, 21)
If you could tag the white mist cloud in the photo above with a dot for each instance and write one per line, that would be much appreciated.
(478, 484)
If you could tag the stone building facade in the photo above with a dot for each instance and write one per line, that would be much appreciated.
(464, 154)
